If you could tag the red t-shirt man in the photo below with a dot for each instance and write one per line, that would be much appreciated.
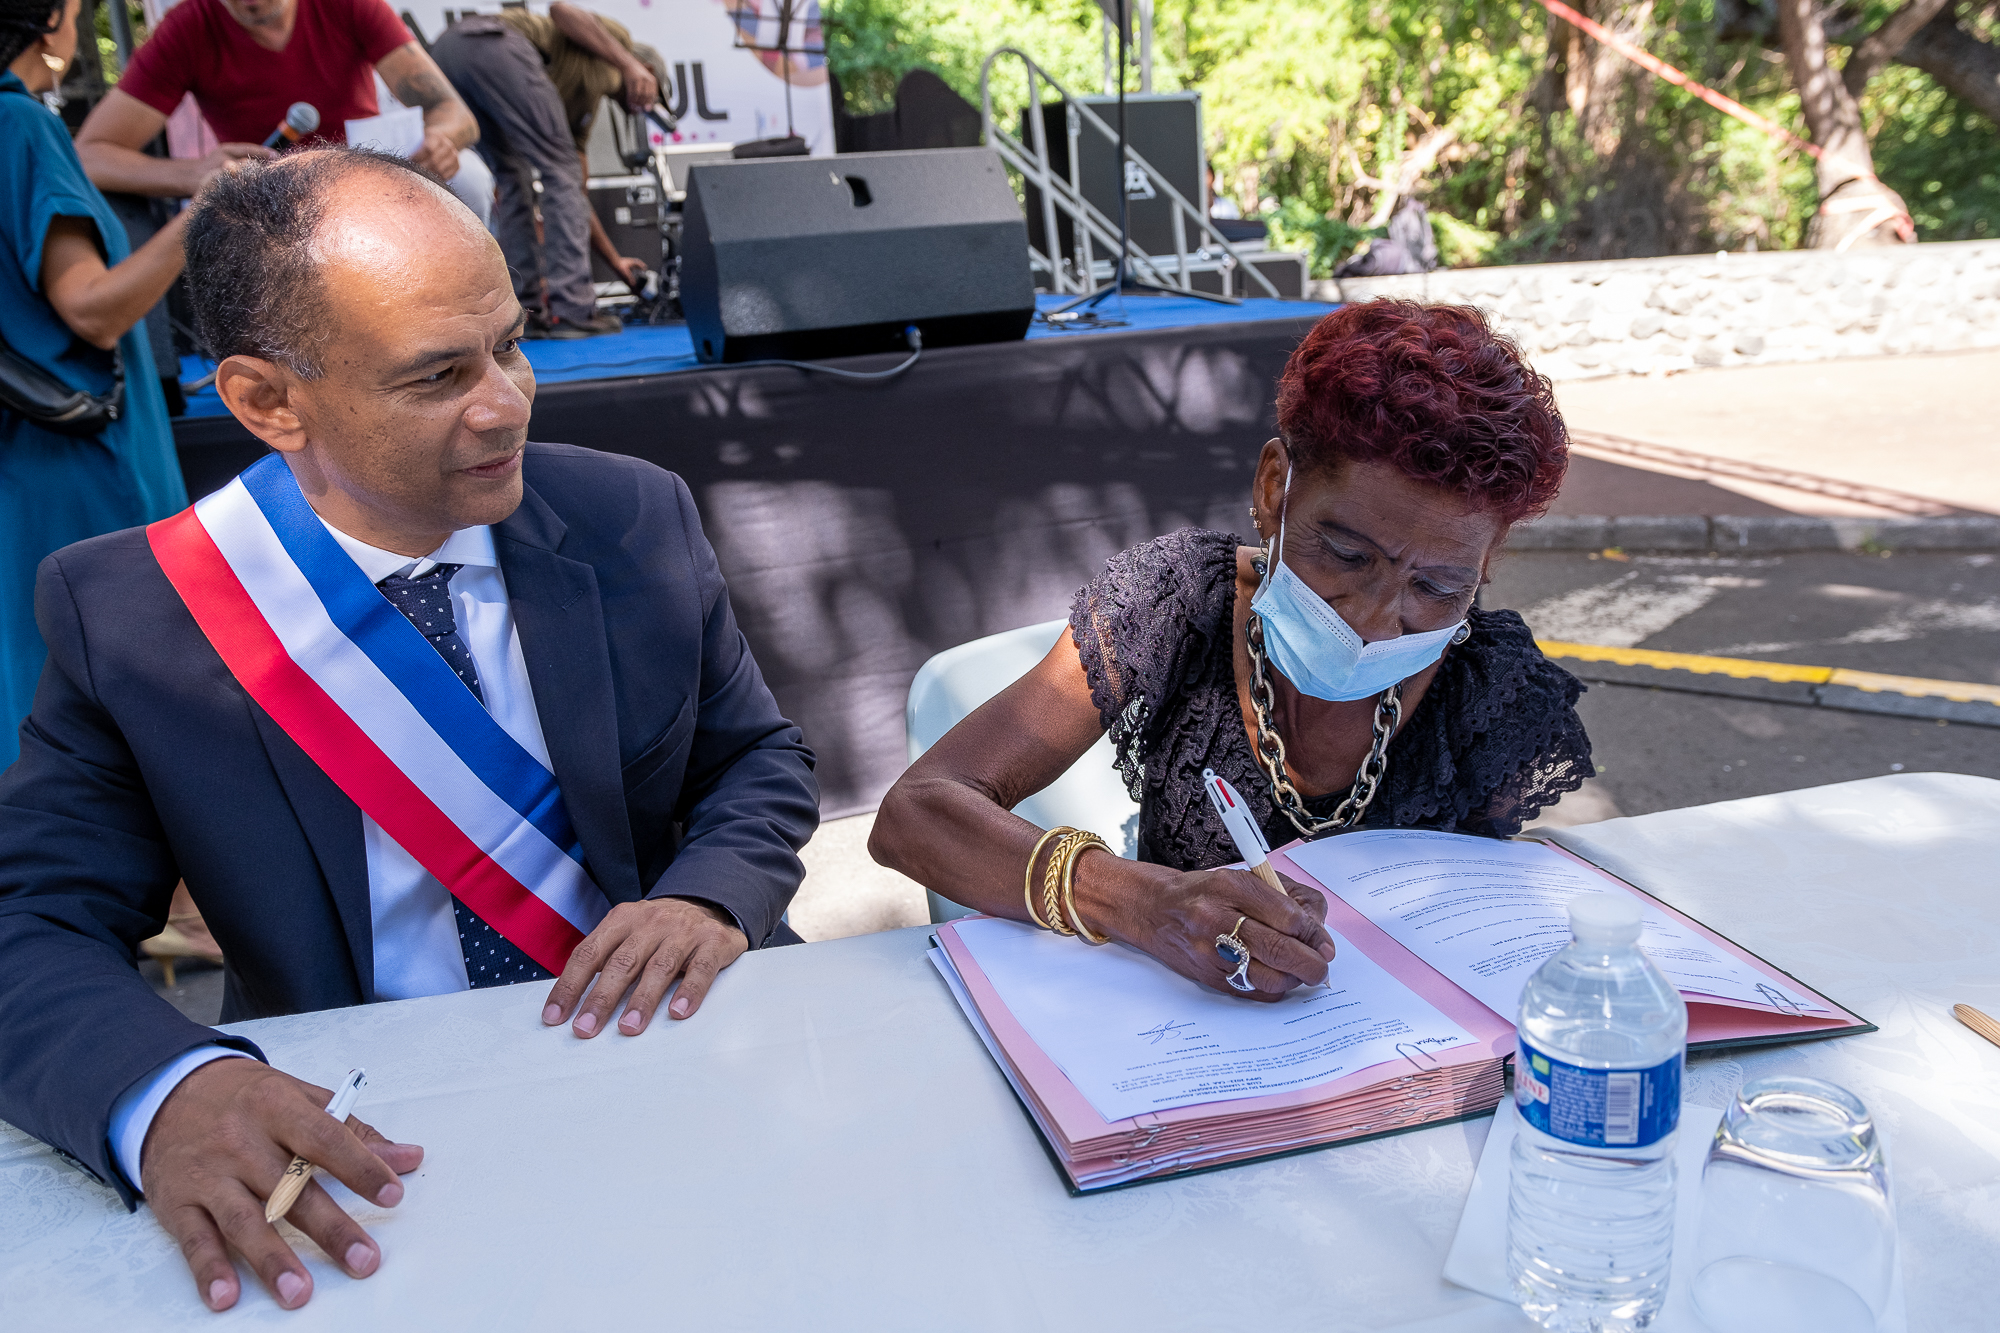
(246, 62)
(243, 89)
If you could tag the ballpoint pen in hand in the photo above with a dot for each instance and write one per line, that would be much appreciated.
(293, 1182)
(1243, 830)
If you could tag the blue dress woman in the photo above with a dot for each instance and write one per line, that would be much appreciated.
(71, 293)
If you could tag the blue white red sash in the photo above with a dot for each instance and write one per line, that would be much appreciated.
(365, 695)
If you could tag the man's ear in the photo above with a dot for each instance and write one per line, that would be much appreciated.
(259, 394)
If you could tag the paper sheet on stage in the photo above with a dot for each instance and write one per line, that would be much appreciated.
(1487, 913)
(1133, 1037)
(400, 131)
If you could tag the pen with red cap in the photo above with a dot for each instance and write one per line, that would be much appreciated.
(1243, 830)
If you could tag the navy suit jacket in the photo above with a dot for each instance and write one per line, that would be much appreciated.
(144, 762)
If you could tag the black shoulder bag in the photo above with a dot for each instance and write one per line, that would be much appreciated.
(45, 400)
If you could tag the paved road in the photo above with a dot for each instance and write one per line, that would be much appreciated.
(1918, 424)
(1934, 614)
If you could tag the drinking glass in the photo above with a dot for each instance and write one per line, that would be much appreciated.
(1797, 1231)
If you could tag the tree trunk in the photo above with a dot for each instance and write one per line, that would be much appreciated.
(1866, 60)
(1618, 189)
(1594, 75)
(1854, 207)
(1966, 67)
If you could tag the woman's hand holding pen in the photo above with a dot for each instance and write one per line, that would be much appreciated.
(1176, 915)
(216, 1151)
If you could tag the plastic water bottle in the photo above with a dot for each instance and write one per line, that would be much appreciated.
(1590, 1200)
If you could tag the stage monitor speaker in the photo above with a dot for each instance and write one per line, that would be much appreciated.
(836, 256)
(1163, 128)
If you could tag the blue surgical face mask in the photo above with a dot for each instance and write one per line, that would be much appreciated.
(1319, 652)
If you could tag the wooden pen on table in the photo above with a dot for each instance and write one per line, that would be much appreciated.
(293, 1182)
(1978, 1022)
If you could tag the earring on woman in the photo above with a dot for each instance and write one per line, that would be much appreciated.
(54, 62)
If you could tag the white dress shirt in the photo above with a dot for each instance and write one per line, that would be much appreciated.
(415, 929)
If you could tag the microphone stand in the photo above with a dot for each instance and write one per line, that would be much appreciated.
(1121, 281)
(786, 15)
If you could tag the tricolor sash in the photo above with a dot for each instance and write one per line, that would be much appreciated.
(370, 701)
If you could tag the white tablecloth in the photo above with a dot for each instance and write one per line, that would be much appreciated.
(827, 1146)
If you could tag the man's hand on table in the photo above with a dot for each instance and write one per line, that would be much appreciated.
(1178, 923)
(651, 943)
(215, 1152)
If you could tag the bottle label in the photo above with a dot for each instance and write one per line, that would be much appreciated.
(1598, 1108)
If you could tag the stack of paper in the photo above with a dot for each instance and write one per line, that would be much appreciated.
(1131, 1072)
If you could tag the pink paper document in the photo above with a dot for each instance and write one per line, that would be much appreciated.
(1444, 1053)
(1130, 1072)
(1134, 1038)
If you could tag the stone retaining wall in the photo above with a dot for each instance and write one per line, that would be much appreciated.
(1643, 316)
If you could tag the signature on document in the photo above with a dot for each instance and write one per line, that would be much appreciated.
(1159, 1032)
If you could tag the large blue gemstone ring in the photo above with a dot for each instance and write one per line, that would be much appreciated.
(1233, 951)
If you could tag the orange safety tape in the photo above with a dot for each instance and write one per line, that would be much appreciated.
(1727, 105)
(1905, 225)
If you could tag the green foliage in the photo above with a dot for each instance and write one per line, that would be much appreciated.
(107, 48)
(1460, 244)
(872, 43)
(1308, 106)
(1297, 225)
(1939, 154)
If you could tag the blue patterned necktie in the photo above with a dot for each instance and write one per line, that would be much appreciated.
(425, 601)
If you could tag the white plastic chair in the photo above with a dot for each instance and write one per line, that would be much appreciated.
(1091, 795)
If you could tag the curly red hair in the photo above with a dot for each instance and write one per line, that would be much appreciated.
(1433, 391)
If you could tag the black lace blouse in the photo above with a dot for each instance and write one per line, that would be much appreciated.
(1495, 739)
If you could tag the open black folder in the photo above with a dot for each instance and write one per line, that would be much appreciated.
(1436, 930)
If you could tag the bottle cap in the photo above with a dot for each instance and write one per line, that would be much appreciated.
(1604, 918)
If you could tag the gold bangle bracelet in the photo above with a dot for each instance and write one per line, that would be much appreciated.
(1079, 846)
(1052, 883)
(1028, 880)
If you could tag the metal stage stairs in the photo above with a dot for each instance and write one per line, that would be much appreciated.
(1096, 235)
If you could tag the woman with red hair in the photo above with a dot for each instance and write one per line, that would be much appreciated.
(1339, 675)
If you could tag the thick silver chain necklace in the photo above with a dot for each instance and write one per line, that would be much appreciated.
(1271, 748)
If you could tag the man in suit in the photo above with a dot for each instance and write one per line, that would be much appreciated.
(369, 333)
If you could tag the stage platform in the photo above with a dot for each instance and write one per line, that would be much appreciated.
(864, 526)
(666, 349)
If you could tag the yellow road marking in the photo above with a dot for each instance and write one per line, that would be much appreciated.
(1958, 690)
(1741, 668)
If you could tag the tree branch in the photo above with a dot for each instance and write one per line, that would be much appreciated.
(1967, 67)
(1881, 46)
(1409, 169)
(1832, 115)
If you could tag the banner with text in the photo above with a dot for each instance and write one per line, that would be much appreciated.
(729, 81)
